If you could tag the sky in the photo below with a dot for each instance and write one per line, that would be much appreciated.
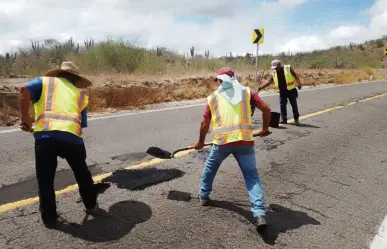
(220, 26)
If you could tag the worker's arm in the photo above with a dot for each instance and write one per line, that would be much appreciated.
(204, 127)
(84, 118)
(267, 84)
(24, 109)
(299, 85)
(30, 92)
(266, 113)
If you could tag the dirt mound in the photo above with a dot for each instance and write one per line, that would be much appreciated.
(122, 92)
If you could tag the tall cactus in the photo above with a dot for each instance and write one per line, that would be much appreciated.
(89, 43)
(9, 62)
(192, 50)
(36, 47)
(207, 54)
(159, 51)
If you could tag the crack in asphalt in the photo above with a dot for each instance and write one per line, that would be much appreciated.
(341, 183)
(306, 188)
(309, 209)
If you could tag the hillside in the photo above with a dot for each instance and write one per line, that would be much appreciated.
(110, 57)
(125, 76)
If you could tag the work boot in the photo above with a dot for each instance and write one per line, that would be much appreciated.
(204, 201)
(260, 224)
(53, 223)
(296, 122)
(92, 210)
(284, 122)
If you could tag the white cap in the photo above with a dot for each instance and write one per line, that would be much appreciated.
(274, 64)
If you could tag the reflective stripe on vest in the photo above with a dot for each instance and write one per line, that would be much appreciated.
(289, 78)
(68, 117)
(236, 131)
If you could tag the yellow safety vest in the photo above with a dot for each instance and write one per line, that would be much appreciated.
(230, 123)
(59, 107)
(290, 81)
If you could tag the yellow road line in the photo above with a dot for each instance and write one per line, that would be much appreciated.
(25, 202)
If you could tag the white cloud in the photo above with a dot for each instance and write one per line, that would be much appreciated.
(153, 23)
(342, 35)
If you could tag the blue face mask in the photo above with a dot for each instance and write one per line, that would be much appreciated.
(226, 85)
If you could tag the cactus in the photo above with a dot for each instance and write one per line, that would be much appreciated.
(159, 51)
(9, 62)
(192, 50)
(36, 47)
(207, 54)
(70, 42)
(89, 43)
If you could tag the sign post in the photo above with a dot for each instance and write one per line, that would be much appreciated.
(257, 39)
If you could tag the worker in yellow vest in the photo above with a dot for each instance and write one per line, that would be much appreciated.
(229, 110)
(60, 114)
(285, 79)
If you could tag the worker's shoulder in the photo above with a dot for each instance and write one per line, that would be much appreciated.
(34, 82)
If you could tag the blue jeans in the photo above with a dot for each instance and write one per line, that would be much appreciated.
(245, 156)
(292, 96)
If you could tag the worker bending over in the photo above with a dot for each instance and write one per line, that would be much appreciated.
(284, 79)
(60, 114)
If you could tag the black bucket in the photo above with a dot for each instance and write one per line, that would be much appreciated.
(275, 119)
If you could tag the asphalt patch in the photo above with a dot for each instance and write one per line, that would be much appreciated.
(140, 179)
(280, 219)
(28, 188)
(110, 225)
(175, 195)
(271, 144)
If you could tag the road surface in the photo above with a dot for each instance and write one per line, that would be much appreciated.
(324, 183)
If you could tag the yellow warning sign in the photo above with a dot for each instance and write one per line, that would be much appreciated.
(257, 36)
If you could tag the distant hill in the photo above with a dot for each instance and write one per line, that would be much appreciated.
(351, 56)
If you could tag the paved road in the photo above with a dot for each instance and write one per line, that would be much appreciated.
(324, 183)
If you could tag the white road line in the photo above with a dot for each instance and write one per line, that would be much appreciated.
(380, 239)
(193, 105)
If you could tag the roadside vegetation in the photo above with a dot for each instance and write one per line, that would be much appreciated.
(127, 76)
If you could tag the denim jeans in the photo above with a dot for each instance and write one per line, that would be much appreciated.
(46, 153)
(292, 96)
(245, 156)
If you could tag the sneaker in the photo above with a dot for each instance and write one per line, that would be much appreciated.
(260, 224)
(204, 201)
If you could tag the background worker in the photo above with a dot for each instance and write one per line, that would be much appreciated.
(284, 79)
(60, 114)
(233, 134)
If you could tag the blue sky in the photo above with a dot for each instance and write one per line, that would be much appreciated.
(328, 14)
(221, 26)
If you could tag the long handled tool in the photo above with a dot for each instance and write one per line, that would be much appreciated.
(163, 154)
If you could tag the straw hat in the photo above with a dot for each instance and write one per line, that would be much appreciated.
(70, 67)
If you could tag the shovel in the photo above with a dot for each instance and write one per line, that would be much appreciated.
(163, 154)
